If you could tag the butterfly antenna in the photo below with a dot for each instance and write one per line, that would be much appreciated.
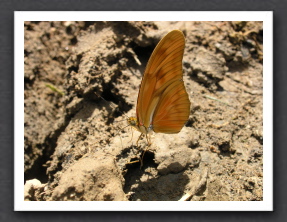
(119, 121)
(132, 135)
(120, 135)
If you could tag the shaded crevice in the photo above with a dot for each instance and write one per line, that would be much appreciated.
(258, 138)
(28, 83)
(39, 168)
(143, 53)
(111, 94)
(75, 66)
(236, 66)
(225, 149)
(135, 171)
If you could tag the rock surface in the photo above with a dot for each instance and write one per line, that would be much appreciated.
(76, 144)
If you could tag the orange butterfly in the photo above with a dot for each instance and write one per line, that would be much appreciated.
(163, 105)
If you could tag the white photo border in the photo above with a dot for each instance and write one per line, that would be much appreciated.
(21, 16)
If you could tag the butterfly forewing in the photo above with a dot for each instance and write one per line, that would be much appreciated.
(162, 100)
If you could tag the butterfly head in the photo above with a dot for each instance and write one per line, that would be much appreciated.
(132, 121)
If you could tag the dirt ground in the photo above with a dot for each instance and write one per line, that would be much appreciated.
(77, 146)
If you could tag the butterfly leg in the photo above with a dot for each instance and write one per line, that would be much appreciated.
(132, 135)
(137, 152)
(146, 149)
(139, 138)
(148, 140)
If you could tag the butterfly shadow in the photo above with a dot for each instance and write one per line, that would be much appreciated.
(145, 184)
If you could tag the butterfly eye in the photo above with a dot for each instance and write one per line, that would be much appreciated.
(132, 121)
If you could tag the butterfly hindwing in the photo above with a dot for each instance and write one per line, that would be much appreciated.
(162, 100)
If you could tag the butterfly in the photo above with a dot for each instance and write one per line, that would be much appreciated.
(163, 104)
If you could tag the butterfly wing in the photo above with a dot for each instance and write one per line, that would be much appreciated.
(162, 100)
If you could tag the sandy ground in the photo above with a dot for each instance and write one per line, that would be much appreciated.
(76, 146)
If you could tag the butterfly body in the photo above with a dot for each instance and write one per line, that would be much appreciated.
(132, 121)
(163, 105)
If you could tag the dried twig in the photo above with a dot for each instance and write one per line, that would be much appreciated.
(196, 189)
